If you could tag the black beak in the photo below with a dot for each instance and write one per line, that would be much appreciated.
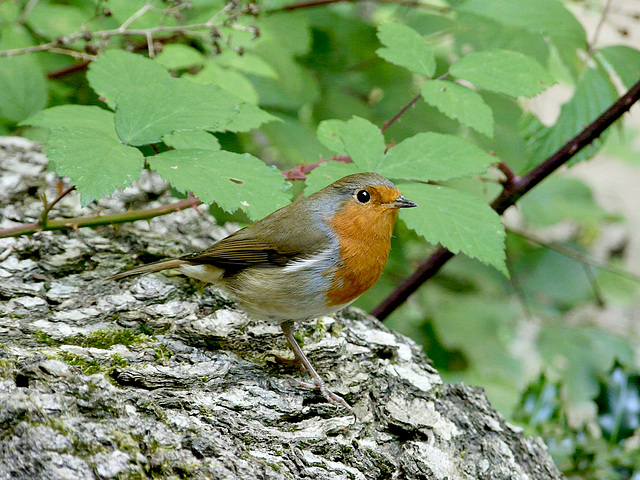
(402, 202)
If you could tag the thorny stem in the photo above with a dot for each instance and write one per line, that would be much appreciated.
(74, 223)
(512, 191)
(47, 208)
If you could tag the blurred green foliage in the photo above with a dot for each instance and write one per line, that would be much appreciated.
(234, 83)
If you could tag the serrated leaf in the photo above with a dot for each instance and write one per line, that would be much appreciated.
(327, 173)
(229, 179)
(177, 56)
(75, 116)
(503, 71)
(594, 93)
(549, 17)
(457, 220)
(625, 61)
(434, 157)
(94, 161)
(192, 139)
(145, 115)
(460, 103)
(363, 142)
(248, 63)
(117, 71)
(330, 135)
(250, 116)
(227, 79)
(23, 86)
(406, 48)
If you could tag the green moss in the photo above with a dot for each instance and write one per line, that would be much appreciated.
(117, 360)
(44, 338)
(111, 336)
(88, 367)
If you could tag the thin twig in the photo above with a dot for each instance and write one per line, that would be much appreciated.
(78, 222)
(47, 208)
(390, 122)
(510, 194)
(580, 257)
(596, 33)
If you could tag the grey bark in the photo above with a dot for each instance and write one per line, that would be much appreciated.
(200, 395)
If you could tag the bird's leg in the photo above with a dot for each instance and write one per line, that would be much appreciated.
(301, 358)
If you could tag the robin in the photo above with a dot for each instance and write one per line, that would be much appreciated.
(303, 261)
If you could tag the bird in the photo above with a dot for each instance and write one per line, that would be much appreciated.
(306, 260)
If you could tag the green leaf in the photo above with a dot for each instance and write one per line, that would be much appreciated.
(50, 20)
(75, 116)
(625, 61)
(457, 220)
(330, 135)
(594, 93)
(434, 157)
(549, 17)
(571, 199)
(460, 103)
(290, 30)
(503, 71)
(579, 356)
(363, 142)
(145, 115)
(117, 71)
(406, 48)
(192, 139)
(248, 63)
(249, 117)
(327, 173)
(229, 80)
(23, 86)
(94, 161)
(229, 179)
(177, 56)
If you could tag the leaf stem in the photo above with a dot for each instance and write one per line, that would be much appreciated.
(511, 193)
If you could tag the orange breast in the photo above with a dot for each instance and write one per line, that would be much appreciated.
(364, 235)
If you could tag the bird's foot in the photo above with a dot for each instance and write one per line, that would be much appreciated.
(331, 397)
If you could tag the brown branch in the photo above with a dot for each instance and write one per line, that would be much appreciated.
(390, 122)
(512, 191)
(319, 3)
(78, 222)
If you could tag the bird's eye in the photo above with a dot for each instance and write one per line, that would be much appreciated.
(363, 196)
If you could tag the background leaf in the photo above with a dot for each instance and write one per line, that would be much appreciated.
(460, 103)
(406, 47)
(145, 115)
(117, 71)
(23, 87)
(434, 157)
(94, 161)
(459, 221)
(229, 179)
(505, 72)
(75, 116)
(363, 142)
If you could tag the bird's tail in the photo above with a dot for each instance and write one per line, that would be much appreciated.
(149, 268)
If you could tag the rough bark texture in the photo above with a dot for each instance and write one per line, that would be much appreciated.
(160, 377)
